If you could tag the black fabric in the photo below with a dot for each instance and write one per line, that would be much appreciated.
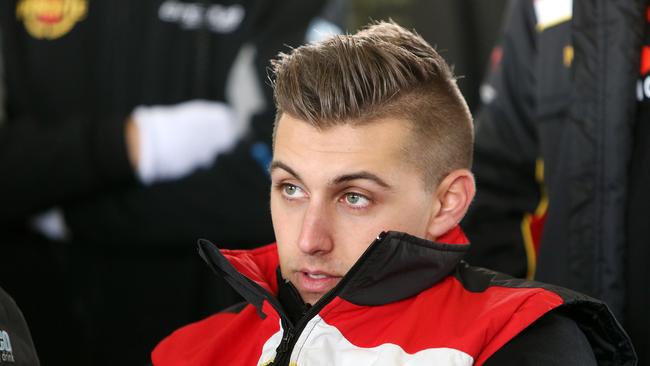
(45, 165)
(638, 250)
(505, 153)
(577, 114)
(249, 290)
(585, 224)
(290, 299)
(399, 265)
(554, 339)
(16, 346)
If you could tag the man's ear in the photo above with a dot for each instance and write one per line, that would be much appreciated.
(452, 198)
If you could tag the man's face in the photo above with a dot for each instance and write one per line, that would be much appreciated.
(334, 191)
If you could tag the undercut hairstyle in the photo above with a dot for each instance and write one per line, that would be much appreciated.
(383, 71)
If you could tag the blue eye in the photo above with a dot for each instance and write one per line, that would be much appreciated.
(292, 191)
(356, 200)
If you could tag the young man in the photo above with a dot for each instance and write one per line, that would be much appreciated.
(370, 177)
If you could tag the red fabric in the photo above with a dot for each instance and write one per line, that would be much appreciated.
(475, 323)
(536, 230)
(222, 339)
(257, 264)
(478, 324)
(453, 236)
(645, 60)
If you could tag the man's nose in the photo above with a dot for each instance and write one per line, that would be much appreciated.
(315, 234)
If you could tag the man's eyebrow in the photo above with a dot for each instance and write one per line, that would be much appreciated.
(361, 175)
(276, 164)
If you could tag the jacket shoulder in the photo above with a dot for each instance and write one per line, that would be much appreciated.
(605, 334)
(16, 344)
(196, 336)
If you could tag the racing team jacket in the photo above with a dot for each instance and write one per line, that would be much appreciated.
(559, 109)
(405, 301)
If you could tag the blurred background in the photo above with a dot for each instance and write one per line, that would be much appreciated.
(128, 129)
(463, 31)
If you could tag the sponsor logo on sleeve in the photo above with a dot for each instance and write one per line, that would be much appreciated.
(50, 19)
(6, 352)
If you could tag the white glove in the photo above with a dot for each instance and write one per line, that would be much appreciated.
(177, 139)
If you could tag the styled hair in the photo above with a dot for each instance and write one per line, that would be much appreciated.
(383, 71)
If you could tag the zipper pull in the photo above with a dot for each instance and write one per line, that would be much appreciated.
(287, 337)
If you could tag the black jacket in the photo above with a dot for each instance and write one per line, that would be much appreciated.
(16, 346)
(562, 98)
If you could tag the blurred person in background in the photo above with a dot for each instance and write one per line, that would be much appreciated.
(125, 134)
(562, 155)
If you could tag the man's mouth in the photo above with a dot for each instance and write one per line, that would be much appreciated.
(318, 282)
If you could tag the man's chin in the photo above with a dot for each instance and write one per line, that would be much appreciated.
(311, 299)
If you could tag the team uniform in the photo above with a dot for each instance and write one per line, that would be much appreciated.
(406, 301)
(562, 154)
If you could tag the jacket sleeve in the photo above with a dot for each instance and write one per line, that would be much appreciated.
(506, 149)
(44, 166)
(552, 340)
(14, 334)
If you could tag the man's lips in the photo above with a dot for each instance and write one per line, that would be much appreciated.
(313, 281)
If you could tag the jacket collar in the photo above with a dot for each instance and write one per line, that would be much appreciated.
(394, 267)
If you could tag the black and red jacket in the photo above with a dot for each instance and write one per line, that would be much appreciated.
(406, 301)
(562, 136)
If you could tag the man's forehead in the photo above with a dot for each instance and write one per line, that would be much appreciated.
(344, 136)
(372, 151)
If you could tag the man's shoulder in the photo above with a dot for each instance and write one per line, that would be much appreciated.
(16, 346)
(554, 339)
(538, 307)
(198, 335)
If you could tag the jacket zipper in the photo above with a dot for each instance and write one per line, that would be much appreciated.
(289, 337)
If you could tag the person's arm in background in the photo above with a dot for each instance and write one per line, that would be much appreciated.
(42, 166)
(506, 150)
(226, 202)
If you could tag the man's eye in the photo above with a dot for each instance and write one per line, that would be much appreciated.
(356, 200)
(292, 191)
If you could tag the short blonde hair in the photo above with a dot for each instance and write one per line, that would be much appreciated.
(383, 71)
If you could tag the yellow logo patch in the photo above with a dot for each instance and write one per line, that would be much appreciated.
(50, 19)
